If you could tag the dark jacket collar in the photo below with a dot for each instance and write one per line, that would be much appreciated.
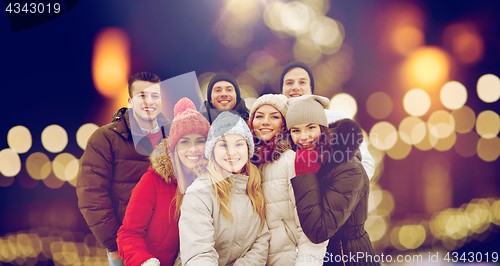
(211, 113)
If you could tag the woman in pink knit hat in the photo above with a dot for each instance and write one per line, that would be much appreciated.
(150, 233)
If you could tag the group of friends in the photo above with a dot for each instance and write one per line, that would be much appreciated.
(285, 183)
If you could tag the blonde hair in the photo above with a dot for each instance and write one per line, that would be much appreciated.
(179, 176)
(222, 183)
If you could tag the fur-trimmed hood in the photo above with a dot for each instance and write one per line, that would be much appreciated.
(161, 162)
(347, 136)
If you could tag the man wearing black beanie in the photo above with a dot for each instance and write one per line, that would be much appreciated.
(223, 94)
(297, 80)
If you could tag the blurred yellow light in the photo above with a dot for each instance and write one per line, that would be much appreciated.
(488, 124)
(54, 138)
(429, 140)
(479, 216)
(375, 197)
(495, 212)
(295, 16)
(325, 79)
(246, 11)
(453, 95)
(305, 54)
(10, 163)
(377, 154)
(19, 139)
(345, 103)
(466, 144)
(272, 16)
(379, 105)
(65, 166)
(111, 61)
(249, 102)
(400, 150)
(383, 136)
(325, 31)
(395, 240)
(488, 149)
(412, 130)
(376, 227)
(406, 38)
(457, 225)
(450, 243)
(235, 35)
(252, 79)
(387, 204)
(83, 134)
(53, 182)
(446, 143)
(265, 65)
(465, 118)
(488, 88)
(441, 124)
(427, 67)
(416, 102)
(412, 236)
(38, 166)
(24, 245)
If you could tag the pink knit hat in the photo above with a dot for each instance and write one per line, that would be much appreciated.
(186, 121)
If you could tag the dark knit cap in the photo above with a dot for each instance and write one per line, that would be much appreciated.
(222, 77)
(293, 65)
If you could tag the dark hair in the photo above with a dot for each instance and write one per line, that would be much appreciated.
(322, 141)
(293, 65)
(223, 77)
(142, 76)
(264, 150)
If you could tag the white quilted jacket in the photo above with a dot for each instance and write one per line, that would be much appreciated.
(288, 245)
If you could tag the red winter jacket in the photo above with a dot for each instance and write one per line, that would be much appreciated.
(150, 229)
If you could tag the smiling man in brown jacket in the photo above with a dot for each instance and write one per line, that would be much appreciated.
(116, 157)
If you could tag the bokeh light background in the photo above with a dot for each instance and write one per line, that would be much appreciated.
(421, 77)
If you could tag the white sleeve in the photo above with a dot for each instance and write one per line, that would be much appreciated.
(308, 252)
(196, 229)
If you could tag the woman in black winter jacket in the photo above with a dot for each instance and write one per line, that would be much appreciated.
(332, 202)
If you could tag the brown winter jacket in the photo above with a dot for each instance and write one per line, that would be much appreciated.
(333, 203)
(110, 168)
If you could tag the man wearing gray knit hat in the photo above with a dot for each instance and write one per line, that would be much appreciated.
(297, 80)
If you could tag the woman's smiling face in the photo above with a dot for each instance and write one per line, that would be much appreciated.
(305, 136)
(267, 122)
(231, 153)
(190, 149)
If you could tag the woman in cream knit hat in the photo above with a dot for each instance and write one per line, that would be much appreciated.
(273, 153)
(331, 187)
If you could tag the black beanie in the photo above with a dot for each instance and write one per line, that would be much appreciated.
(222, 77)
(294, 65)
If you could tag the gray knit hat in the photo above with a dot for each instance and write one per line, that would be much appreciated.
(307, 109)
(228, 123)
(277, 101)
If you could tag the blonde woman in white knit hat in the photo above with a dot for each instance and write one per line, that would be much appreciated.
(274, 156)
(223, 213)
